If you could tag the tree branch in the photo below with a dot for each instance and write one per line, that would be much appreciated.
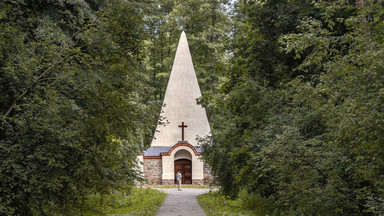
(39, 78)
(28, 87)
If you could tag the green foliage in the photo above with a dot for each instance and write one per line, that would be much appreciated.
(294, 90)
(260, 205)
(73, 102)
(217, 204)
(206, 25)
(135, 201)
(298, 123)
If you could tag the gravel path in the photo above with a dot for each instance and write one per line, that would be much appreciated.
(181, 203)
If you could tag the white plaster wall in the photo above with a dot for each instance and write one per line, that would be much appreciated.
(169, 164)
(168, 167)
(180, 103)
(197, 168)
(140, 163)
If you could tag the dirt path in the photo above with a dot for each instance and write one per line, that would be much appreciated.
(182, 203)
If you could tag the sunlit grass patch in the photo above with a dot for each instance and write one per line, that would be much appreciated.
(139, 202)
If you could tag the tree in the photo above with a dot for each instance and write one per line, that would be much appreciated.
(350, 100)
(73, 103)
(258, 66)
(299, 118)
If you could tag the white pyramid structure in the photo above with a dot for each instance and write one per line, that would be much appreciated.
(174, 146)
(180, 105)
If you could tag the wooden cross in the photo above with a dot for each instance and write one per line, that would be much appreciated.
(182, 130)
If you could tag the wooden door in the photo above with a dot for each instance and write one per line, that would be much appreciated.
(185, 167)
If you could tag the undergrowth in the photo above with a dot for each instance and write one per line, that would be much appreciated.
(135, 202)
(217, 204)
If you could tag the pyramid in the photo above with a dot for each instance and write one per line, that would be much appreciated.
(181, 114)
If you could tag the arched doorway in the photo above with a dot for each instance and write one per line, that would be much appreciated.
(183, 162)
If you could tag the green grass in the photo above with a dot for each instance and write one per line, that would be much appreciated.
(140, 202)
(217, 204)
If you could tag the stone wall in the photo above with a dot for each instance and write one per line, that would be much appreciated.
(168, 182)
(208, 178)
(152, 171)
(153, 174)
(199, 182)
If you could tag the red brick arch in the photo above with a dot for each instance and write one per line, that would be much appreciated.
(178, 145)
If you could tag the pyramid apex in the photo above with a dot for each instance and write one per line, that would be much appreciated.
(183, 36)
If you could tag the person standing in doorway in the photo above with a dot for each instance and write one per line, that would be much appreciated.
(179, 176)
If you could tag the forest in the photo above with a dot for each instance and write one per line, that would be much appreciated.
(294, 91)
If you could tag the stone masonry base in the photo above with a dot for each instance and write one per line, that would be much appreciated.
(199, 182)
(168, 182)
(152, 170)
